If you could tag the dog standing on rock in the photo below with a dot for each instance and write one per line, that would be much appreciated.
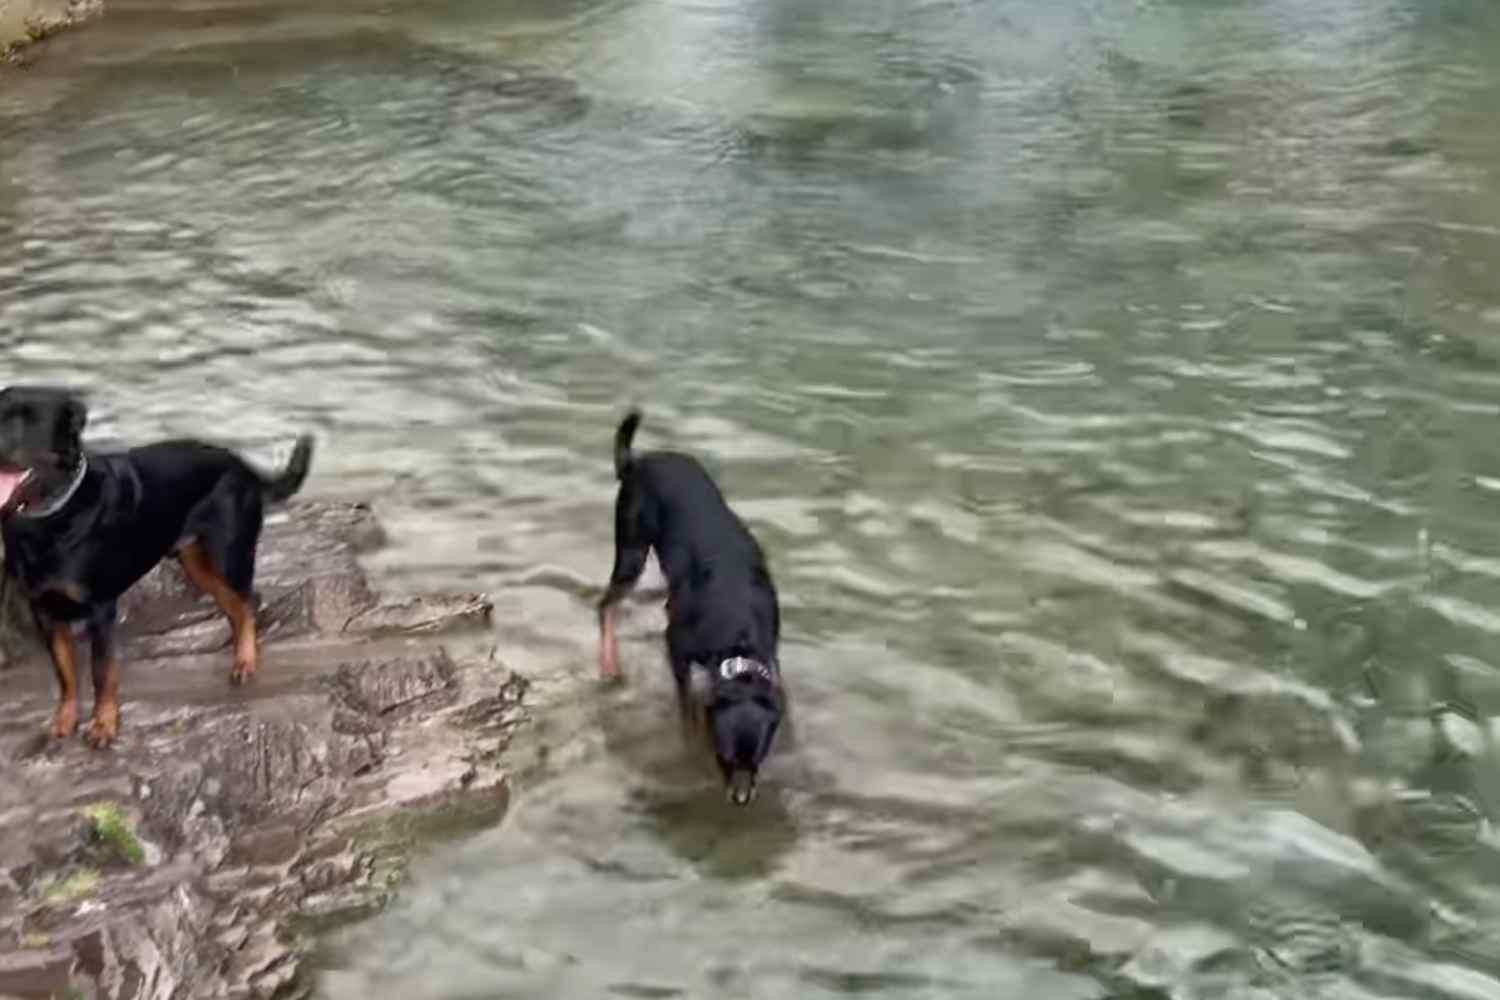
(723, 620)
(81, 528)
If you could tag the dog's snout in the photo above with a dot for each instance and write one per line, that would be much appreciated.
(741, 788)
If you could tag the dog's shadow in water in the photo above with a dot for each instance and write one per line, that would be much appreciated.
(721, 840)
(676, 791)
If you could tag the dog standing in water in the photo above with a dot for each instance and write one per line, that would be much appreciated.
(723, 622)
(81, 528)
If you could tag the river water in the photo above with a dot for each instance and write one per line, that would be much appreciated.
(1114, 384)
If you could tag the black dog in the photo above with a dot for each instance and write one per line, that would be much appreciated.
(81, 528)
(723, 622)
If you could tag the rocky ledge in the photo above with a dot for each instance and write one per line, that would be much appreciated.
(23, 23)
(195, 857)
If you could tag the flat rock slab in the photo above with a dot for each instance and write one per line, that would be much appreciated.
(256, 813)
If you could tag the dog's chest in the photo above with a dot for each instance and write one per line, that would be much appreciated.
(69, 569)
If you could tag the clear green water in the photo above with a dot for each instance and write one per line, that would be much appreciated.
(1115, 385)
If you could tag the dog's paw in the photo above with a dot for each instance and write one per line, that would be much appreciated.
(243, 672)
(64, 720)
(103, 730)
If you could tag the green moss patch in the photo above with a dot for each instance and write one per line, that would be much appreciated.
(71, 885)
(110, 832)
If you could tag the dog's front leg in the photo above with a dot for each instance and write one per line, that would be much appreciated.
(105, 667)
(65, 662)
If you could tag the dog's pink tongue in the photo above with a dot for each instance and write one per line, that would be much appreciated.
(10, 488)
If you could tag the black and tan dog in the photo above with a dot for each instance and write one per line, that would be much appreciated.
(723, 621)
(81, 528)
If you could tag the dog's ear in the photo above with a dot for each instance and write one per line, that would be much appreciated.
(700, 684)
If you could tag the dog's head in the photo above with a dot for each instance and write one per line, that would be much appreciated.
(743, 705)
(41, 431)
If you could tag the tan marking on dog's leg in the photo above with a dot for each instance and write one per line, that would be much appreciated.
(106, 724)
(609, 643)
(196, 564)
(65, 662)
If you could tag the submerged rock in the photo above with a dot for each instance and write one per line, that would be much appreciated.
(243, 819)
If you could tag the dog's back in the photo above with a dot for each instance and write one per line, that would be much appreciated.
(697, 536)
(673, 496)
(722, 601)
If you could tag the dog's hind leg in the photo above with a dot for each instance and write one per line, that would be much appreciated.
(632, 546)
(219, 557)
(234, 602)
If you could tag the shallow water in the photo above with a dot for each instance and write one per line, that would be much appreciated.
(1114, 385)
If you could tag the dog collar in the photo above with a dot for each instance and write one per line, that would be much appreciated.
(739, 666)
(37, 514)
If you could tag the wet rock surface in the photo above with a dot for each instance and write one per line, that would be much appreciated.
(194, 857)
(23, 23)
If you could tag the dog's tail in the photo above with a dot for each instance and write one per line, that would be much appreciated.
(623, 436)
(290, 479)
